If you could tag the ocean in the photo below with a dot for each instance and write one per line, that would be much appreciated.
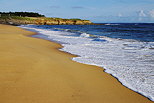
(124, 50)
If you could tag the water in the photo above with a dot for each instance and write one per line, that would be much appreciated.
(125, 50)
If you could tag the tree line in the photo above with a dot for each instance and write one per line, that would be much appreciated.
(21, 14)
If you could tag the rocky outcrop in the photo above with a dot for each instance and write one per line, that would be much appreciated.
(43, 21)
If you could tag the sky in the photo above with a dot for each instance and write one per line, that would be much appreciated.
(99, 11)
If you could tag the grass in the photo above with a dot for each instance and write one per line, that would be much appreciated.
(22, 18)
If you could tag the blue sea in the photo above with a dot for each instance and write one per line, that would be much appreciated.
(124, 50)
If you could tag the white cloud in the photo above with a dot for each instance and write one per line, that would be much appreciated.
(120, 15)
(142, 14)
(151, 13)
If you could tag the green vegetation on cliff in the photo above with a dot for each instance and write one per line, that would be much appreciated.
(19, 18)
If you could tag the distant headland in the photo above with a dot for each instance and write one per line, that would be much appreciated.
(21, 18)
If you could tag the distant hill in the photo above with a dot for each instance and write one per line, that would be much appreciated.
(20, 18)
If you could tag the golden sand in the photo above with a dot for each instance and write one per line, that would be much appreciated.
(33, 70)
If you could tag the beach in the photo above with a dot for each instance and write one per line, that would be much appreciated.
(33, 70)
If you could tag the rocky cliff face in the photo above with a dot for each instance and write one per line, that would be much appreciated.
(43, 21)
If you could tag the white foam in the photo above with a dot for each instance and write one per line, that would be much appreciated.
(111, 24)
(132, 62)
(85, 35)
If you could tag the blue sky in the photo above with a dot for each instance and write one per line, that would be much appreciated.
(94, 10)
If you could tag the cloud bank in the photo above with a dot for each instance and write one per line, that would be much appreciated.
(151, 13)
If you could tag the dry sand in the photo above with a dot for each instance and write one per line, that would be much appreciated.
(33, 70)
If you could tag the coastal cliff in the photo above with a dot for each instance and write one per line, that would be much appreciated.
(16, 20)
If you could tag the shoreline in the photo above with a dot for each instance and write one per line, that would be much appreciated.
(103, 69)
(75, 82)
(125, 84)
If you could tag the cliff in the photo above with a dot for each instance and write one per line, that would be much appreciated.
(16, 20)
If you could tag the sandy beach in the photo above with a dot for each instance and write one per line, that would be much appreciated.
(33, 70)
